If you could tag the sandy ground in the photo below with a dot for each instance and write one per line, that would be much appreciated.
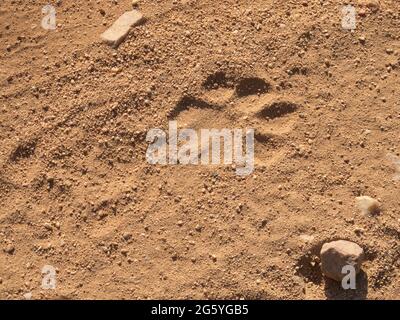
(77, 193)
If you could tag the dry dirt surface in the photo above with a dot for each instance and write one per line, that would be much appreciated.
(77, 193)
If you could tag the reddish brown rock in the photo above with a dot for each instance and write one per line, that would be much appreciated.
(337, 254)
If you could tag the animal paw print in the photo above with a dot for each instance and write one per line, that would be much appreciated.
(242, 102)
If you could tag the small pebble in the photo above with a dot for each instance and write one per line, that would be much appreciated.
(48, 226)
(127, 236)
(367, 205)
(9, 249)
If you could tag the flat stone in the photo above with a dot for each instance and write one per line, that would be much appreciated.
(337, 254)
(119, 30)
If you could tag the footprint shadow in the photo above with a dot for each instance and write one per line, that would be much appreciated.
(230, 100)
(252, 86)
(188, 102)
(277, 110)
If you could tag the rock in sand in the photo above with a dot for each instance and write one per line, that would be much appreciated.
(117, 33)
(367, 205)
(337, 254)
